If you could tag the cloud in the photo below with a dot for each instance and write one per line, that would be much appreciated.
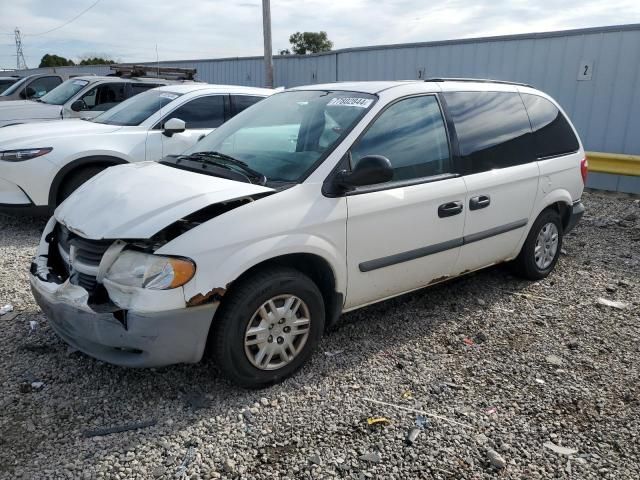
(130, 30)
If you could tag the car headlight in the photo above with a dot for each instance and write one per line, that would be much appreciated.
(23, 154)
(144, 270)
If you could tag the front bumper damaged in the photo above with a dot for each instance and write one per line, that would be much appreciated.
(123, 330)
(124, 337)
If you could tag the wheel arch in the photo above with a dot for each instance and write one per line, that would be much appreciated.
(74, 166)
(317, 268)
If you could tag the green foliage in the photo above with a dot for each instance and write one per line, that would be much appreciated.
(96, 61)
(303, 43)
(55, 61)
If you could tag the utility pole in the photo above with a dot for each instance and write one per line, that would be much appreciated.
(20, 62)
(268, 53)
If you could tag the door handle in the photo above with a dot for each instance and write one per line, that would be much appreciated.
(450, 209)
(481, 201)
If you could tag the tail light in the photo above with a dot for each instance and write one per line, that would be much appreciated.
(584, 169)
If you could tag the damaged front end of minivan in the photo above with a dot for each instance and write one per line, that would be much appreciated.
(116, 299)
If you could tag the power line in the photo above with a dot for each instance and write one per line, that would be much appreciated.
(65, 23)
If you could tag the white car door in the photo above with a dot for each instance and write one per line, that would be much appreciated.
(201, 115)
(406, 233)
(501, 174)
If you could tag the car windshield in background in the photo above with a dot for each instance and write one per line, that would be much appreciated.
(137, 109)
(285, 135)
(64, 92)
(5, 83)
(13, 88)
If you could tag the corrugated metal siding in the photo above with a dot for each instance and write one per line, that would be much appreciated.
(605, 110)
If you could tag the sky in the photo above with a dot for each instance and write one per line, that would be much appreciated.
(130, 30)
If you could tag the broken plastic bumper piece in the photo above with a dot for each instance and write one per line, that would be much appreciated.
(124, 337)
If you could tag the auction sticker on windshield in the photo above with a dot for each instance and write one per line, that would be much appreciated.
(80, 82)
(350, 102)
(170, 96)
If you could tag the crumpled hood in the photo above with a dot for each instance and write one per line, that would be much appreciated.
(40, 134)
(137, 200)
(17, 110)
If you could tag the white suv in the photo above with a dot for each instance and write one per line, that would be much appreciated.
(315, 201)
(85, 97)
(42, 163)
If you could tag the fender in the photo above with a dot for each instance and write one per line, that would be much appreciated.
(80, 162)
(234, 264)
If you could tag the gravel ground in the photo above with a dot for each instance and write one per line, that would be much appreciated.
(500, 367)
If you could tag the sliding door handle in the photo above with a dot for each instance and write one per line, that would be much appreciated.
(450, 209)
(481, 201)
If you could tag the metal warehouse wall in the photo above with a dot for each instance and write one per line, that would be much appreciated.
(604, 104)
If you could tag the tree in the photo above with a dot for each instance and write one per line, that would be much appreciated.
(55, 61)
(286, 51)
(96, 61)
(310, 42)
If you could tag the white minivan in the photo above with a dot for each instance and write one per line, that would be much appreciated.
(316, 201)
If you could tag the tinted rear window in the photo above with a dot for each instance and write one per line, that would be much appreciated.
(493, 129)
(552, 132)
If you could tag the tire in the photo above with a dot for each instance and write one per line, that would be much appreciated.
(536, 265)
(241, 310)
(76, 179)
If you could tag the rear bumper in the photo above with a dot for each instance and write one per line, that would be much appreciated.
(124, 337)
(577, 211)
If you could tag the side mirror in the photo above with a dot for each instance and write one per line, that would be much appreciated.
(370, 170)
(28, 92)
(174, 125)
(78, 106)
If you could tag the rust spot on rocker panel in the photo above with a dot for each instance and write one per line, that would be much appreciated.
(438, 280)
(209, 297)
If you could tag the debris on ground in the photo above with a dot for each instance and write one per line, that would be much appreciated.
(98, 432)
(6, 309)
(378, 421)
(618, 305)
(372, 457)
(554, 360)
(37, 385)
(33, 326)
(186, 461)
(412, 435)
(334, 353)
(468, 341)
(560, 449)
(496, 459)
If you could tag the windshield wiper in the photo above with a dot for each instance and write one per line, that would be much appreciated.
(227, 161)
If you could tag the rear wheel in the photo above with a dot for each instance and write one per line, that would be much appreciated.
(76, 179)
(541, 249)
(268, 327)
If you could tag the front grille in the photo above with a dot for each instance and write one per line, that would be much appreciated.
(80, 257)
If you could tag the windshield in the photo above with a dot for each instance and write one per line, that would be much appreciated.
(137, 109)
(64, 92)
(15, 87)
(6, 83)
(285, 135)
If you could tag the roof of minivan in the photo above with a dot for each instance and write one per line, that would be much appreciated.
(378, 86)
(191, 87)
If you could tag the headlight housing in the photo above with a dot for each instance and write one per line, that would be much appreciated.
(155, 272)
(23, 154)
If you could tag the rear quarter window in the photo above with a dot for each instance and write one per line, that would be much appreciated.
(553, 135)
(493, 129)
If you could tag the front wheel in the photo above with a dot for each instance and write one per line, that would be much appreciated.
(268, 327)
(541, 249)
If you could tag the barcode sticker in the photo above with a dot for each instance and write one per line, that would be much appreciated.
(80, 82)
(170, 96)
(350, 102)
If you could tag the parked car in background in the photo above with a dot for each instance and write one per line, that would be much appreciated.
(6, 82)
(42, 163)
(32, 86)
(86, 97)
(313, 202)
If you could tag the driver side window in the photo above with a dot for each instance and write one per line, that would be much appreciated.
(412, 135)
(103, 97)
